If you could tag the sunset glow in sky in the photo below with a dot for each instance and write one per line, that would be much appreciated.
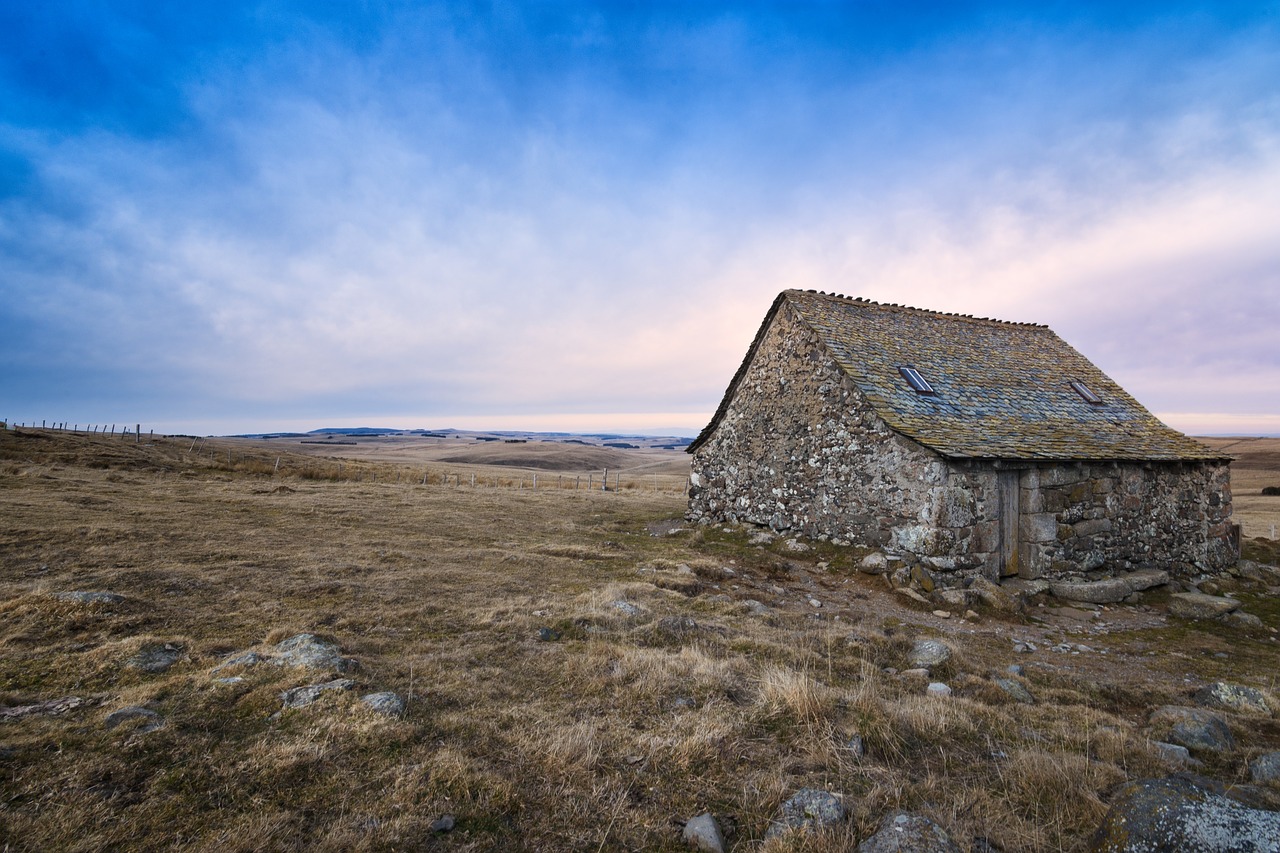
(232, 217)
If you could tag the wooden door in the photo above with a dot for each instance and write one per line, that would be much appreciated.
(1009, 562)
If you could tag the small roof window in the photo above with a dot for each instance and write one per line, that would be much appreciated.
(916, 381)
(1088, 396)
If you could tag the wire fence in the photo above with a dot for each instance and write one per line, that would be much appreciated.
(194, 453)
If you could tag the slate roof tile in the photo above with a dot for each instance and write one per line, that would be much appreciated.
(1003, 390)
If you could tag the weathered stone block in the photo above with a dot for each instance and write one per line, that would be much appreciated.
(1038, 527)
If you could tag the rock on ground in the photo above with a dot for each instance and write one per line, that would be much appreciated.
(246, 659)
(386, 702)
(1195, 728)
(1233, 697)
(155, 658)
(1197, 605)
(905, 832)
(299, 697)
(1106, 591)
(148, 720)
(938, 689)
(929, 653)
(81, 596)
(1153, 815)
(311, 652)
(1265, 768)
(809, 808)
(703, 833)
(1016, 690)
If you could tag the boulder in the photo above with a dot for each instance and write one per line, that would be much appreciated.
(874, 564)
(904, 832)
(247, 659)
(994, 596)
(703, 833)
(1176, 814)
(1194, 728)
(1233, 697)
(1147, 578)
(1197, 605)
(938, 690)
(808, 809)
(310, 652)
(929, 653)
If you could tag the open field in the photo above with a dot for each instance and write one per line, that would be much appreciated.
(679, 671)
(1256, 465)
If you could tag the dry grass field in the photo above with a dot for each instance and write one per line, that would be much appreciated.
(580, 673)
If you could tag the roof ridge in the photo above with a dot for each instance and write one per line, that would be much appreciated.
(871, 302)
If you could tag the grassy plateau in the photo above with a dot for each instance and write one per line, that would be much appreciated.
(580, 671)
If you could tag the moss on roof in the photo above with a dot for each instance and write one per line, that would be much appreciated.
(1003, 390)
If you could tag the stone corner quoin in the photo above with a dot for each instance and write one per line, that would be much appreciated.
(798, 445)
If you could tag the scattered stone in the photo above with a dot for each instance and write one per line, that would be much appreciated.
(445, 823)
(626, 608)
(50, 707)
(1024, 647)
(150, 720)
(311, 652)
(910, 593)
(795, 546)
(874, 564)
(756, 607)
(678, 627)
(856, 745)
(938, 689)
(942, 614)
(955, 597)
(995, 596)
(246, 659)
(1016, 669)
(971, 615)
(154, 658)
(548, 635)
(703, 833)
(1177, 814)
(1232, 697)
(89, 597)
(386, 702)
(1173, 753)
(1144, 579)
(905, 832)
(1195, 728)
(813, 602)
(929, 653)
(1265, 768)
(1106, 591)
(809, 809)
(1015, 689)
(231, 679)
(761, 537)
(299, 697)
(1196, 605)
(1240, 619)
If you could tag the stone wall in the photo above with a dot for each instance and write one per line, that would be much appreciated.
(800, 450)
(1107, 516)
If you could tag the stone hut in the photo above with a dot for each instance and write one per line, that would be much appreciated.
(967, 446)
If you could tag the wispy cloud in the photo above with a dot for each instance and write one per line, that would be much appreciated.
(446, 216)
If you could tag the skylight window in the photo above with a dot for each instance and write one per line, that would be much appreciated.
(916, 381)
(1088, 396)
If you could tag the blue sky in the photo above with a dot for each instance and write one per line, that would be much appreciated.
(227, 217)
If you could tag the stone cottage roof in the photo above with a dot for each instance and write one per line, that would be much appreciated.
(1001, 390)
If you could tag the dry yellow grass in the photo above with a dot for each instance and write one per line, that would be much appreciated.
(665, 694)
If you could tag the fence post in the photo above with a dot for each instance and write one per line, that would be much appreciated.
(604, 481)
(137, 436)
